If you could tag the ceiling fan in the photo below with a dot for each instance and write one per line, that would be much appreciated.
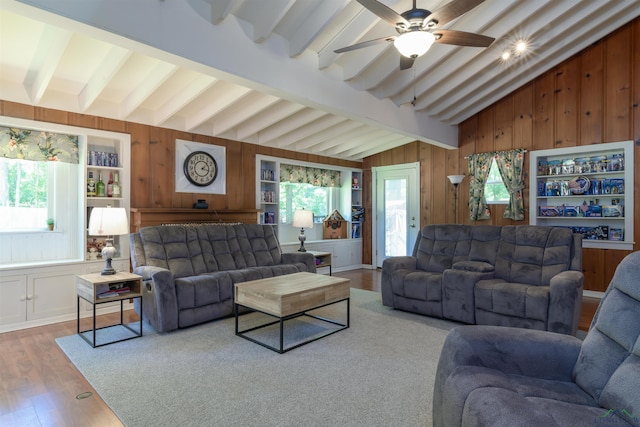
(418, 29)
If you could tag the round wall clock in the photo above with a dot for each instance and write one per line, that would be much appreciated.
(200, 168)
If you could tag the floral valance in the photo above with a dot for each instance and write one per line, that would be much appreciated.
(27, 144)
(307, 175)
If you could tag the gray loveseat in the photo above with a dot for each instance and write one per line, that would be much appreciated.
(523, 276)
(496, 376)
(189, 271)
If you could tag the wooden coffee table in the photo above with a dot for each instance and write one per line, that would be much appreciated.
(290, 296)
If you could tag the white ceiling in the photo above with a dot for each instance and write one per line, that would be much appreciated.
(264, 71)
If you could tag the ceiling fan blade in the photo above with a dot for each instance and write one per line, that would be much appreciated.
(462, 38)
(365, 44)
(451, 11)
(384, 12)
(406, 63)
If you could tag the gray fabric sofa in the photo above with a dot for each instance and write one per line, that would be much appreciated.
(189, 271)
(497, 376)
(522, 275)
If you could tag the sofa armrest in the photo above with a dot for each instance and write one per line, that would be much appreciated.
(389, 266)
(533, 353)
(300, 257)
(473, 266)
(160, 304)
(565, 302)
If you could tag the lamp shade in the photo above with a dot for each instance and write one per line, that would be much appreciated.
(455, 179)
(303, 219)
(414, 43)
(108, 222)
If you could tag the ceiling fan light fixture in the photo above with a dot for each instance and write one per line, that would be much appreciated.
(414, 43)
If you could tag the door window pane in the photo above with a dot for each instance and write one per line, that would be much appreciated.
(395, 213)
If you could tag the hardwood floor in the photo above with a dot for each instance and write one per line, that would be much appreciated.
(39, 386)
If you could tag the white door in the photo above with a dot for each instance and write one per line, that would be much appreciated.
(396, 203)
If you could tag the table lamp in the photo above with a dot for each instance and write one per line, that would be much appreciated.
(108, 222)
(302, 219)
(455, 180)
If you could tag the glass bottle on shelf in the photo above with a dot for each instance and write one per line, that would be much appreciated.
(117, 190)
(110, 185)
(100, 187)
(91, 185)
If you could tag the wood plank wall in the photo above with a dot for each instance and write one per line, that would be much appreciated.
(153, 159)
(591, 98)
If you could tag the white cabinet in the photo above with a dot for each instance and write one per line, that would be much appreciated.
(267, 184)
(346, 254)
(587, 188)
(13, 304)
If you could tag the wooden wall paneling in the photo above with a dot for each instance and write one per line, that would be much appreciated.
(51, 116)
(140, 166)
(426, 191)
(452, 168)
(162, 153)
(566, 95)
(591, 95)
(593, 269)
(543, 112)
(238, 176)
(618, 86)
(440, 187)
(13, 109)
(523, 133)
(503, 125)
(249, 171)
(636, 121)
(467, 137)
(485, 134)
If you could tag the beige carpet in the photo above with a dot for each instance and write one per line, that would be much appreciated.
(378, 372)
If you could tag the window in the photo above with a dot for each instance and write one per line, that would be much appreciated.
(495, 191)
(24, 193)
(305, 196)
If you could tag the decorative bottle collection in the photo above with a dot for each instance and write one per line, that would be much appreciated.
(91, 185)
(110, 185)
(117, 190)
(100, 187)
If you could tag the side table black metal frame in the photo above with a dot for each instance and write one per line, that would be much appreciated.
(138, 334)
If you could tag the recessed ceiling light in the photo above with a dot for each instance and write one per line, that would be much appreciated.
(506, 55)
(521, 46)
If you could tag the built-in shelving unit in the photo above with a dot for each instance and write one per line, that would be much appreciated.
(586, 188)
(357, 206)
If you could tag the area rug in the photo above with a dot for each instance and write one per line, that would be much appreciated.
(378, 372)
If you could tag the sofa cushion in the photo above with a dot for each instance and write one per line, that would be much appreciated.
(512, 299)
(220, 247)
(422, 285)
(533, 255)
(608, 366)
(198, 291)
(175, 248)
(440, 246)
(259, 244)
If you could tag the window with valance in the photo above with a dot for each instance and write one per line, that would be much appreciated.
(309, 175)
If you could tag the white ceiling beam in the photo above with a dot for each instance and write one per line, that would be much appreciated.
(226, 95)
(51, 48)
(242, 111)
(364, 137)
(184, 48)
(537, 65)
(322, 124)
(357, 154)
(322, 16)
(274, 114)
(109, 66)
(156, 77)
(264, 16)
(184, 97)
(300, 118)
(326, 138)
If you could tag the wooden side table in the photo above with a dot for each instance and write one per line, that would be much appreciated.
(324, 259)
(89, 288)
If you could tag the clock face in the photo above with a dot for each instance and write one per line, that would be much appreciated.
(200, 168)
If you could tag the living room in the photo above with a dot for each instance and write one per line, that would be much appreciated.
(589, 98)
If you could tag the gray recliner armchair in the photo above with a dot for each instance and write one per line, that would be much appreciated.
(503, 376)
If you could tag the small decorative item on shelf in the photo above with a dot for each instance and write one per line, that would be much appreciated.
(334, 226)
(50, 223)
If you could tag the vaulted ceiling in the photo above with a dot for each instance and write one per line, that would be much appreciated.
(265, 71)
